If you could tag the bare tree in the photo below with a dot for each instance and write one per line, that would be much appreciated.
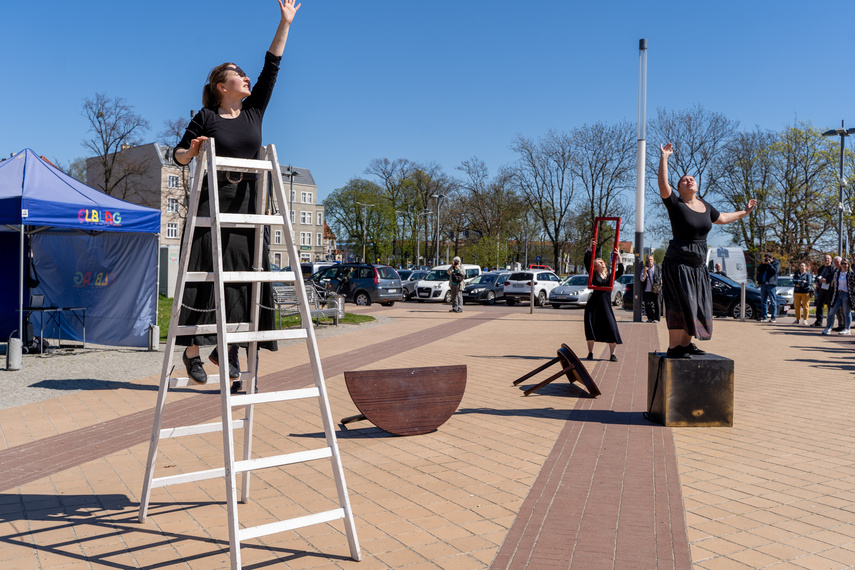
(115, 127)
(169, 136)
(76, 168)
(545, 179)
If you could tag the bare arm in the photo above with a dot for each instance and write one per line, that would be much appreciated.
(287, 11)
(664, 185)
(727, 217)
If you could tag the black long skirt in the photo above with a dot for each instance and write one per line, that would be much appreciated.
(686, 288)
(238, 246)
(600, 323)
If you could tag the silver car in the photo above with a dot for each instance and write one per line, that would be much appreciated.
(785, 288)
(573, 292)
(409, 279)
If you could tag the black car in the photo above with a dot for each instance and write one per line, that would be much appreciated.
(361, 283)
(726, 295)
(486, 288)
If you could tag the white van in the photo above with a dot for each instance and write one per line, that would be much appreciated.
(436, 287)
(732, 261)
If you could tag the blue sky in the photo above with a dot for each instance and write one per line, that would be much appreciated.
(426, 81)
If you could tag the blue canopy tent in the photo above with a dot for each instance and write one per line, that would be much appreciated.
(83, 248)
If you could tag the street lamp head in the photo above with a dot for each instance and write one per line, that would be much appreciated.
(839, 132)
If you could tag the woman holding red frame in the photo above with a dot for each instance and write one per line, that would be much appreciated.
(600, 322)
(685, 277)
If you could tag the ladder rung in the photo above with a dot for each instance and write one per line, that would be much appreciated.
(281, 396)
(290, 524)
(232, 328)
(213, 381)
(280, 460)
(259, 336)
(242, 164)
(242, 221)
(242, 276)
(199, 428)
(188, 477)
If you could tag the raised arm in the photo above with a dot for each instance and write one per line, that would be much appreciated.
(664, 185)
(727, 217)
(287, 11)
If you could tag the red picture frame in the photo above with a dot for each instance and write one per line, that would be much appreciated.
(594, 253)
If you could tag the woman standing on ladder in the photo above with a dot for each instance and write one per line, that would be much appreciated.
(600, 322)
(685, 277)
(232, 115)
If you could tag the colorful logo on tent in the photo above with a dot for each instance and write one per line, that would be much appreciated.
(99, 217)
(93, 279)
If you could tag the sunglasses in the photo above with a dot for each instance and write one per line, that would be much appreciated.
(237, 70)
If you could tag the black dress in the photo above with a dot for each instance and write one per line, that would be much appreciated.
(600, 323)
(239, 137)
(685, 277)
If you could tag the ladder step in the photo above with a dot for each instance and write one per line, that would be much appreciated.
(242, 164)
(242, 276)
(280, 460)
(281, 396)
(240, 328)
(260, 336)
(242, 221)
(188, 477)
(213, 381)
(290, 524)
(199, 428)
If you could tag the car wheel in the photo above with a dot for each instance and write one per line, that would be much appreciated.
(540, 300)
(618, 299)
(362, 299)
(735, 308)
(388, 303)
(511, 302)
(447, 298)
(556, 306)
(406, 296)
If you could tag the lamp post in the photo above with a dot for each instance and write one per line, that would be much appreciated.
(842, 132)
(419, 236)
(438, 198)
(364, 225)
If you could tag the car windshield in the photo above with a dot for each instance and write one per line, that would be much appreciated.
(577, 280)
(484, 279)
(785, 281)
(729, 281)
(437, 275)
(520, 277)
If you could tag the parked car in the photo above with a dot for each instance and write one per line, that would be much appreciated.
(785, 288)
(486, 288)
(726, 296)
(435, 285)
(572, 292)
(409, 279)
(518, 286)
(361, 283)
(543, 267)
(310, 268)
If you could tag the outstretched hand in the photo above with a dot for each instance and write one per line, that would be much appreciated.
(667, 150)
(752, 203)
(288, 10)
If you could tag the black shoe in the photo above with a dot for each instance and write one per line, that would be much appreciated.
(694, 350)
(613, 358)
(838, 329)
(817, 324)
(677, 352)
(590, 356)
(195, 368)
(234, 364)
(236, 386)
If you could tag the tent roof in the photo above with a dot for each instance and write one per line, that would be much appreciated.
(35, 193)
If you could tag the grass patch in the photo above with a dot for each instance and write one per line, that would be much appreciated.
(164, 313)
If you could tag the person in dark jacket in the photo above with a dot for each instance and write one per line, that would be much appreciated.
(842, 286)
(767, 277)
(823, 291)
(802, 282)
(651, 279)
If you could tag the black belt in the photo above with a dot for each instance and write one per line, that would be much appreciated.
(233, 177)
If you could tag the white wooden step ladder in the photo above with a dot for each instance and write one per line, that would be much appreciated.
(231, 333)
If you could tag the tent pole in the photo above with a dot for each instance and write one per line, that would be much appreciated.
(21, 290)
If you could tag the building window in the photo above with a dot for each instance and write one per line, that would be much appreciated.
(172, 229)
(172, 205)
(172, 181)
(320, 238)
(277, 259)
(305, 218)
(320, 218)
(305, 238)
(292, 216)
(306, 257)
(293, 195)
(306, 197)
(277, 237)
